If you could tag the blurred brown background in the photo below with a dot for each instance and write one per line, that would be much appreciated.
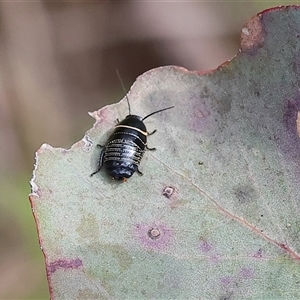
(58, 61)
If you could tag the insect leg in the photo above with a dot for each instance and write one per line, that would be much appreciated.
(149, 133)
(140, 173)
(100, 164)
(151, 149)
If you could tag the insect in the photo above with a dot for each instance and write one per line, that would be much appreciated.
(125, 148)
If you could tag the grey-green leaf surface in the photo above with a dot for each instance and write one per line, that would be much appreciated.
(216, 213)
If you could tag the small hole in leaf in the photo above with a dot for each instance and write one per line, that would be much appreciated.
(154, 233)
(168, 191)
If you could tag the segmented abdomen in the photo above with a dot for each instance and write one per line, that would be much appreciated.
(127, 147)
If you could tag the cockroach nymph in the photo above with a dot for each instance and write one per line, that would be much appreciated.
(125, 148)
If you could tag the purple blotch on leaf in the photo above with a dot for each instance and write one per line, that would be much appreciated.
(205, 246)
(64, 264)
(226, 280)
(290, 116)
(246, 273)
(156, 236)
(258, 254)
(290, 141)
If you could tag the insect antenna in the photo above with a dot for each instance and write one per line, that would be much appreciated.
(155, 112)
(122, 84)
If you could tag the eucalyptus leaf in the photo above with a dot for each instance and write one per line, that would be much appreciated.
(216, 213)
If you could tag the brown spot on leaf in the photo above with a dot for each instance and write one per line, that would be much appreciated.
(252, 35)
